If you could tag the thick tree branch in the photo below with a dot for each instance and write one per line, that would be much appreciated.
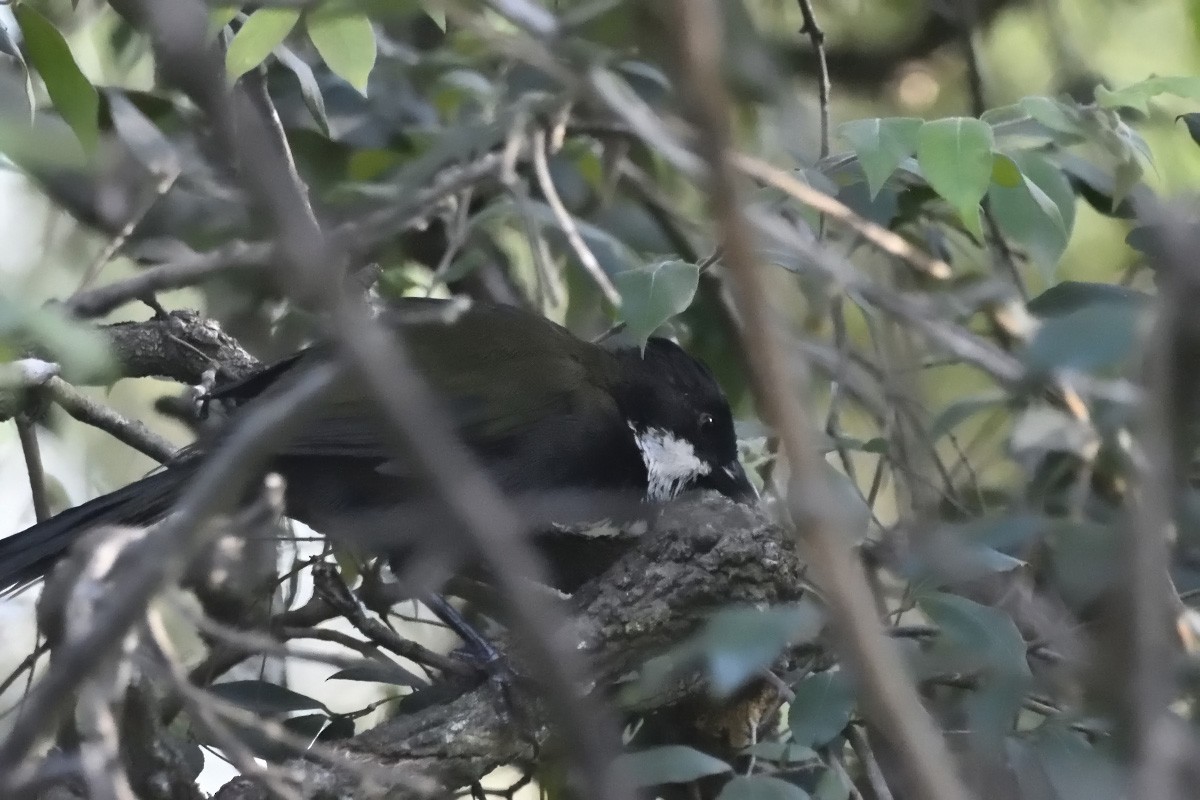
(704, 553)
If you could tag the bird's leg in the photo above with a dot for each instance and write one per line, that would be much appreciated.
(485, 654)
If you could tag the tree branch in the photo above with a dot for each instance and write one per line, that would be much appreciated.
(705, 552)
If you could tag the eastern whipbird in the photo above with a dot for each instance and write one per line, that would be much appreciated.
(542, 410)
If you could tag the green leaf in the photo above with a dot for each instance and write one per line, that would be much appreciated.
(145, 141)
(976, 638)
(262, 32)
(1028, 213)
(219, 17)
(669, 764)
(1090, 338)
(834, 785)
(1075, 769)
(881, 144)
(956, 157)
(761, 787)
(783, 753)
(650, 297)
(738, 643)
(1086, 560)
(1070, 296)
(346, 42)
(72, 94)
(81, 350)
(1005, 171)
(263, 697)
(821, 709)
(1138, 95)
(1192, 121)
(310, 90)
(436, 13)
(1055, 115)
(374, 672)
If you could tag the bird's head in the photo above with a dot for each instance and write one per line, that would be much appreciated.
(681, 423)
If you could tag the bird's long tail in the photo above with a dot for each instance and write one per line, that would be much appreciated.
(28, 555)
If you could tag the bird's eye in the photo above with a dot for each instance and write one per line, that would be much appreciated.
(706, 422)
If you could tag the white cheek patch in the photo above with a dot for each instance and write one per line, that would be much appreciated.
(671, 463)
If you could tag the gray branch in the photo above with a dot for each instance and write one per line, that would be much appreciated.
(705, 552)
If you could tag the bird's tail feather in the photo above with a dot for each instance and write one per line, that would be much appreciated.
(28, 555)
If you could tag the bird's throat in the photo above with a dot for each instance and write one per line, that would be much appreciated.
(671, 462)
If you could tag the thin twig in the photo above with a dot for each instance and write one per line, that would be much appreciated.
(161, 187)
(203, 715)
(587, 258)
(1002, 254)
(890, 700)
(328, 584)
(880, 237)
(817, 37)
(132, 432)
(165, 555)
(27, 432)
(870, 765)
(412, 417)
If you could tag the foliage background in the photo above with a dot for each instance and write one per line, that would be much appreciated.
(1042, 47)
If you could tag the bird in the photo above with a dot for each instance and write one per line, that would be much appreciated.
(541, 409)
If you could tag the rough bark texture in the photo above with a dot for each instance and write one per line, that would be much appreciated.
(705, 552)
(181, 346)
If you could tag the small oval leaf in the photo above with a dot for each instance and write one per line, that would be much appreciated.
(821, 709)
(881, 145)
(263, 697)
(262, 32)
(670, 764)
(346, 42)
(650, 297)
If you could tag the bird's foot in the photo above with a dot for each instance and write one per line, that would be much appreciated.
(481, 653)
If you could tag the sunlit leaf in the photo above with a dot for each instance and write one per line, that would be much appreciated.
(72, 93)
(262, 32)
(956, 158)
(346, 42)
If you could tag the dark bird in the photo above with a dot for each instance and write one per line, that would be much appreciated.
(543, 411)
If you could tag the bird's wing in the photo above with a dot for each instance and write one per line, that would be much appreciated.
(499, 373)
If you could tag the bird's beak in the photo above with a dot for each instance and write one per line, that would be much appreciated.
(731, 480)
